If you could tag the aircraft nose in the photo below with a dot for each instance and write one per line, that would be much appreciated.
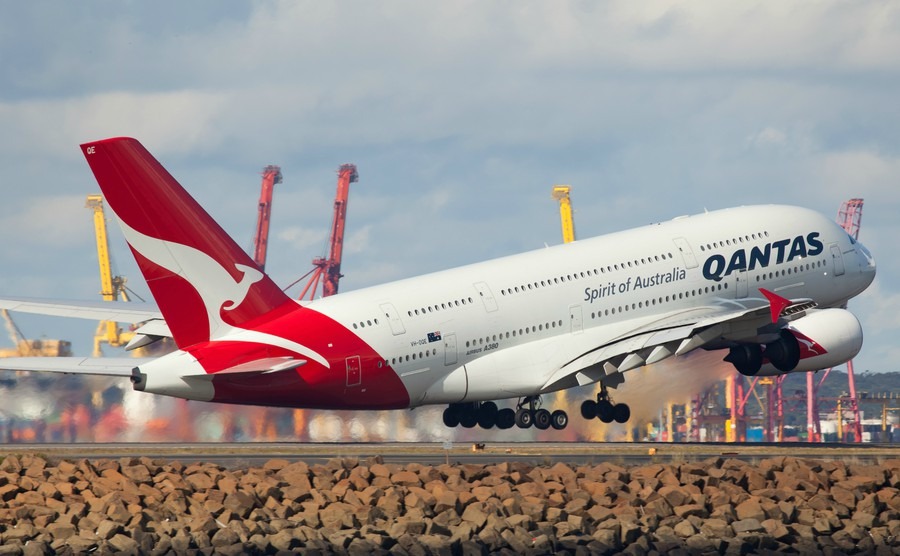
(867, 262)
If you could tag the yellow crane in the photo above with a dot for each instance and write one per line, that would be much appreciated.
(31, 348)
(561, 194)
(111, 287)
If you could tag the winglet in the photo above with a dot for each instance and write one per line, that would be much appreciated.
(777, 303)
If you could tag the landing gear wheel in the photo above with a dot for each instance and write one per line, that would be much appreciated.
(468, 417)
(451, 416)
(589, 409)
(506, 418)
(542, 419)
(605, 411)
(559, 419)
(746, 358)
(487, 415)
(621, 413)
(524, 418)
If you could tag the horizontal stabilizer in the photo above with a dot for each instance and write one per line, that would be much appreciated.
(99, 366)
(257, 367)
(118, 311)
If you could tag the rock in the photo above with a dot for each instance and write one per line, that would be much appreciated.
(749, 525)
(283, 540)
(629, 532)
(750, 509)
(108, 529)
(716, 528)
(684, 529)
(691, 510)
(123, 543)
(240, 503)
(775, 529)
(200, 481)
(474, 515)
(37, 548)
(224, 537)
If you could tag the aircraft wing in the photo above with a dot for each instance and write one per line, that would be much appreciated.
(593, 357)
(99, 366)
(118, 311)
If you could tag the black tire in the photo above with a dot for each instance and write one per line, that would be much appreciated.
(451, 416)
(621, 413)
(524, 418)
(589, 409)
(468, 417)
(746, 358)
(487, 415)
(506, 418)
(542, 419)
(605, 411)
(559, 419)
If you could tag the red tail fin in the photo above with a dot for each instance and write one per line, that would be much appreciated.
(204, 283)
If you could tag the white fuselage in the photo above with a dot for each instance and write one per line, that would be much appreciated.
(510, 313)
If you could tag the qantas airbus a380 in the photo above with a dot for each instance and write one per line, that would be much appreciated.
(765, 285)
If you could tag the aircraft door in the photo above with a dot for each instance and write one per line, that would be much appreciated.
(450, 356)
(576, 319)
(742, 288)
(490, 304)
(393, 317)
(354, 371)
(690, 261)
(837, 259)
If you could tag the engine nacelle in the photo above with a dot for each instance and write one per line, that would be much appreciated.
(827, 338)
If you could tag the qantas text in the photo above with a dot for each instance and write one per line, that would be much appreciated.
(785, 250)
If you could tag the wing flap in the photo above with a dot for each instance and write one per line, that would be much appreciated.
(674, 334)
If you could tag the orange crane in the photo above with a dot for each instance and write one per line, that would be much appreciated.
(849, 217)
(328, 269)
(271, 175)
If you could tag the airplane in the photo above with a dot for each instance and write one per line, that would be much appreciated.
(766, 286)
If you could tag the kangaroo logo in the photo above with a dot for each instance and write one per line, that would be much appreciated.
(217, 288)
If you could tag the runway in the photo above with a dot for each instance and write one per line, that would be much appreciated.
(538, 453)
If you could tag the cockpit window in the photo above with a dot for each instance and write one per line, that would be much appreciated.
(852, 239)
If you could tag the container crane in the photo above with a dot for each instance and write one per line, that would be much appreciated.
(561, 194)
(271, 175)
(111, 287)
(849, 217)
(328, 269)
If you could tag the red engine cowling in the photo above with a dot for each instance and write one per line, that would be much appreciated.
(827, 338)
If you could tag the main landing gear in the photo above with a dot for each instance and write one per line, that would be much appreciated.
(486, 415)
(604, 408)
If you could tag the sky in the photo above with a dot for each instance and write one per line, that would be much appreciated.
(460, 117)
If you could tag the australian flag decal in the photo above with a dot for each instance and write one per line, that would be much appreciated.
(434, 337)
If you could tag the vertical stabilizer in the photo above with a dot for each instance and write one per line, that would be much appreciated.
(203, 282)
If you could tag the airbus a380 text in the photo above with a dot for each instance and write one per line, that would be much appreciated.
(767, 286)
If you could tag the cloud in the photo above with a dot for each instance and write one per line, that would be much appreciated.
(460, 117)
(302, 238)
(173, 122)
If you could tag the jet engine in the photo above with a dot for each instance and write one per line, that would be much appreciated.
(825, 338)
